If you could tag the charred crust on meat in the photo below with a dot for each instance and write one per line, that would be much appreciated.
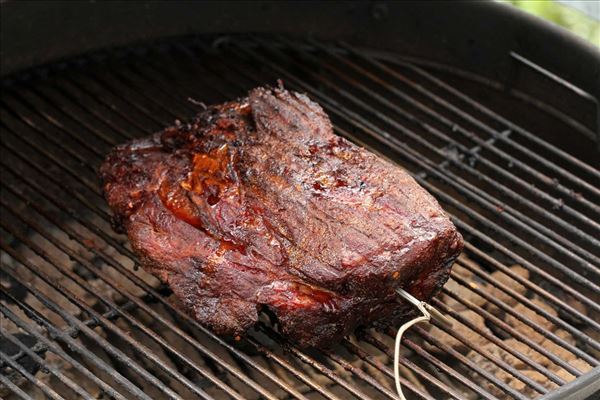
(256, 205)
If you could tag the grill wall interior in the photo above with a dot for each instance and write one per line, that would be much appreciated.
(81, 320)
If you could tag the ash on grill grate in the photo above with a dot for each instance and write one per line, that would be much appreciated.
(524, 295)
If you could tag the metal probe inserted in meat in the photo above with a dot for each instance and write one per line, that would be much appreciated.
(428, 311)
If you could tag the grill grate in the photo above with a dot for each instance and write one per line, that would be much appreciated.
(102, 327)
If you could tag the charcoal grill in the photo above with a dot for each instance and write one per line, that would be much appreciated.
(81, 320)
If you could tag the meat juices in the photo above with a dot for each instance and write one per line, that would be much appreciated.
(256, 204)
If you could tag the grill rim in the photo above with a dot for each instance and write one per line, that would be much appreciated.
(580, 389)
(359, 22)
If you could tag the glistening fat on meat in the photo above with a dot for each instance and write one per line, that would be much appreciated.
(257, 204)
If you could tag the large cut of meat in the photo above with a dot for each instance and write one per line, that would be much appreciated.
(257, 205)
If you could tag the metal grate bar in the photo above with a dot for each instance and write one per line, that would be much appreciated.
(362, 375)
(302, 356)
(493, 339)
(388, 371)
(471, 365)
(377, 343)
(57, 334)
(112, 84)
(116, 309)
(501, 324)
(530, 323)
(450, 371)
(36, 358)
(497, 361)
(14, 388)
(15, 114)
(69, 115)
(75, 323)
(524, 300)
(84, 94)
(294, 371)
(79, 176)
(368, 338)
(522, 338)
(530, 285)
(74, 192)
(37, 382)
(533, 268)
(358, 373)
(458, 94)
(70, 211)
(73, 332)
(34, 99)
(54, 348)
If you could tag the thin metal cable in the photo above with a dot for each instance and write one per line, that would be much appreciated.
(426, 317)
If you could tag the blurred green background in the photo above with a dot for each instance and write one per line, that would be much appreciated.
(563, 15)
